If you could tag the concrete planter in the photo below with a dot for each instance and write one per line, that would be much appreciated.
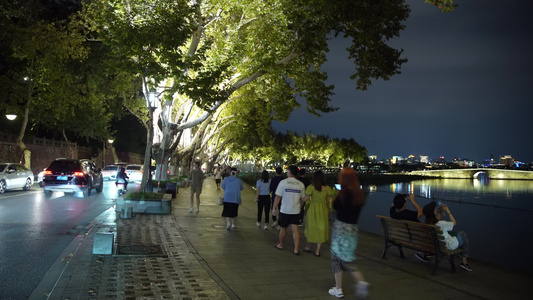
(145, 206)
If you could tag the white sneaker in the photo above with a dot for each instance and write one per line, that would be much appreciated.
(233, 226)
(265, 227)
(274, 224)
(334, 291)
(258, 224)
(361, 290)
(197, 210)
(190, 210)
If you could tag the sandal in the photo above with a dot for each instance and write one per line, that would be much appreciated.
(276, 246)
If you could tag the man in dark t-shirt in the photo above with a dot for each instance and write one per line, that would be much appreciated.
(274, 182)
(399, 211)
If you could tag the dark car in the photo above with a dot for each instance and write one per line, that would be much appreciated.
(13, 176)
(72, 176)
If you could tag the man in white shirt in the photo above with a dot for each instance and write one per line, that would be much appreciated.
(292, 191)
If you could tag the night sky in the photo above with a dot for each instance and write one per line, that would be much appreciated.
(464, 93)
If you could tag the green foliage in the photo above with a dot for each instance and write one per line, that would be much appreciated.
(292, 148)
(144, 196)
(444, 5)
(208, 51)
(55, 72)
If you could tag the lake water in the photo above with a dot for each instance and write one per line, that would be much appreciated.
(497, 215)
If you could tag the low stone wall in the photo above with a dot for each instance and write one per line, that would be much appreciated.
(44, 151)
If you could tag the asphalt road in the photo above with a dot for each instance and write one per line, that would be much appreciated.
(34, 231)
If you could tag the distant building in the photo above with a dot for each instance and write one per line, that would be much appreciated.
(424, 159)
(372, 158)
(506, 160)
(396, 160)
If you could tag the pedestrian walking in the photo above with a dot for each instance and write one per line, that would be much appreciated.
(196, 181)
(348, 205)
(316, 220)
(218, 177)
(262, 198)
(293, 193)
(274, 182)
(232, 186)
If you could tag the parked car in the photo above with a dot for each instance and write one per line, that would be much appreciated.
(40, 178)
(15, 176)
(135, 172)
(109, 172)
(72, 176)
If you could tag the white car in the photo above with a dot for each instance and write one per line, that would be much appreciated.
(40, 178)
(109, 172)
(15, 176)
(135, 172)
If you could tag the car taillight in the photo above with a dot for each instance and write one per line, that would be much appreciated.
(47, 172)
(78, 174)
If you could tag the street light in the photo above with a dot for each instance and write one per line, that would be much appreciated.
(150, 100)
(11, 116)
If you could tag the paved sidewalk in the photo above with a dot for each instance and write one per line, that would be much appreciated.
(205, 261)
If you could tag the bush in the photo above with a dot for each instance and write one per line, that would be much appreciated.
(144, 196)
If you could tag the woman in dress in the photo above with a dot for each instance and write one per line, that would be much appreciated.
(316, 221)
(452, 242)
(348, 205)
(232, 187)
(262, 198)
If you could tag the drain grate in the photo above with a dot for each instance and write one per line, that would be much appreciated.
(141, 250)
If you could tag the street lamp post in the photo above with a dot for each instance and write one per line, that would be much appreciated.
(11, 116)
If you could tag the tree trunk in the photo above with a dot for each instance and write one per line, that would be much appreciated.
(148, 155)
(25, 158)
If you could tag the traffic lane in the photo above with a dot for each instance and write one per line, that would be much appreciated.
(34, 231)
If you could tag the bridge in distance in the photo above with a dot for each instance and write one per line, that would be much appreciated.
(474, 173)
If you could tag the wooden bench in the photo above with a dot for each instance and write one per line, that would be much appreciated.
(417, 236)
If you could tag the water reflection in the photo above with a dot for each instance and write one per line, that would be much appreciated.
(493, 212)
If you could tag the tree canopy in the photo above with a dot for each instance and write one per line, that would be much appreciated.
(258, 55)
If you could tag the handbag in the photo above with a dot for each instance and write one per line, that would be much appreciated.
(220, 201)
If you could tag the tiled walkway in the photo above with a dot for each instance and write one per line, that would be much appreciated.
(205, 261)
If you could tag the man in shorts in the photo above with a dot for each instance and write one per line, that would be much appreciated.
(196, 180)
(292, 191)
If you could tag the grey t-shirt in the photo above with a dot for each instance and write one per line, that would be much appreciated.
(196, 178)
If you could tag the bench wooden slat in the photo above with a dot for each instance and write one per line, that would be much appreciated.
(417, 236)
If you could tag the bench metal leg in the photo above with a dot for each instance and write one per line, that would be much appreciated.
(400, 248)
(435, 265)
(452, 262)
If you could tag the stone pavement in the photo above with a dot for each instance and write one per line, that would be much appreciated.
(203, 260)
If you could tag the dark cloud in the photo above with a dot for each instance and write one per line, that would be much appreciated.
(463, 93)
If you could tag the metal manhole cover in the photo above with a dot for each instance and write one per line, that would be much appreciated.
(141, 250)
